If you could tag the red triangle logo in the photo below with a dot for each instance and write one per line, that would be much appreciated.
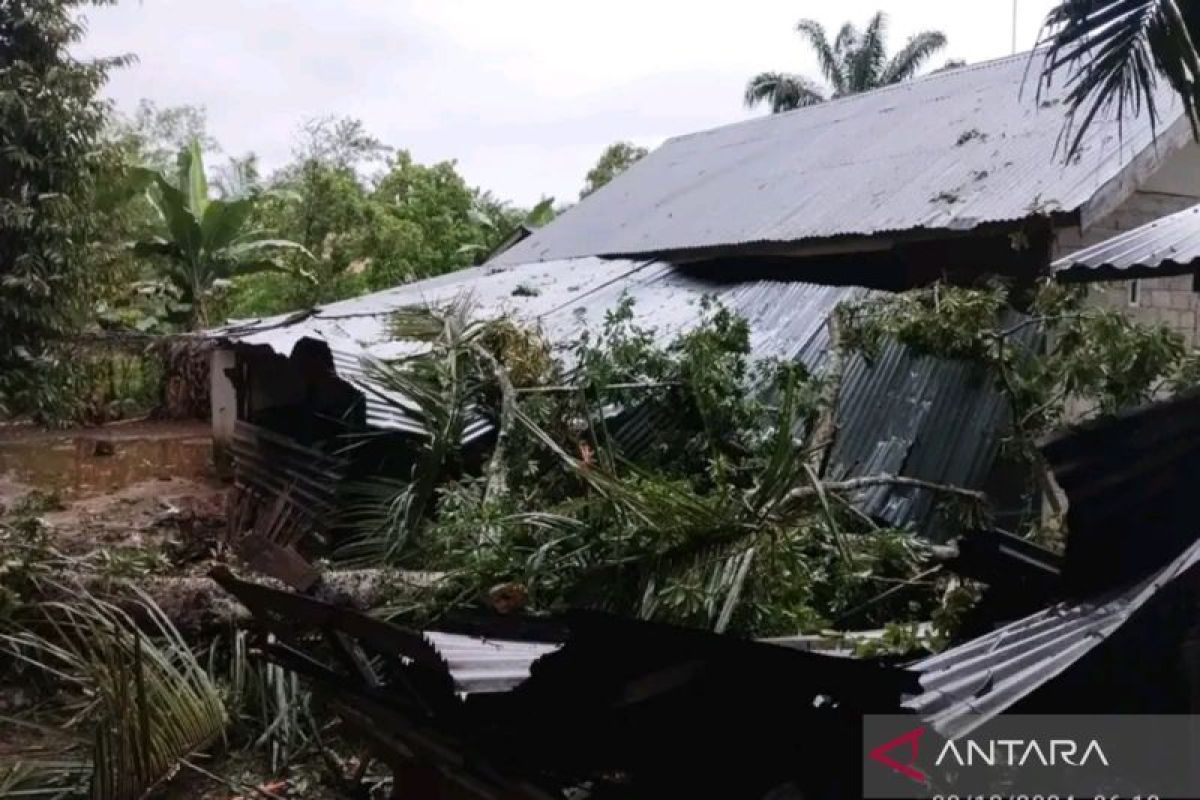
(908, 770)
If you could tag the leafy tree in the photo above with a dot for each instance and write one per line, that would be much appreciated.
(154, 135)
(371, 231)
(715, 521)
(1093, 361)
(421, 221)
(498, 221)
(855, 61)
(238, 177)
(51, 121)
(1114, 51)
(615, 159)
(338, 143)
(206, 240)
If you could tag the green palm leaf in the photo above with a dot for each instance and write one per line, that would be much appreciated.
(827, 59)
(905, 64)
(151, 703)
(782, 92)
(1114, 51)
(855, 61)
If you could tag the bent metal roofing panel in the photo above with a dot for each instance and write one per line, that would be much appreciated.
(900, 413)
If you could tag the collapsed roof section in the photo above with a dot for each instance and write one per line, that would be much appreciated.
(624, 706)
(967, 685)
(949, 152)
(1131, 481)
(899, 414)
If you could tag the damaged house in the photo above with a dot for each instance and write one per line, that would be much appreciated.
(518, 707)
(950, 177)
(783, 218)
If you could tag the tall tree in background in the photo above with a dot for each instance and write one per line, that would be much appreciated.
(51, 122)
(615, 159)
(855, 61)
(204, 240)
(372, 216)
(155, 134)
(1114, 51)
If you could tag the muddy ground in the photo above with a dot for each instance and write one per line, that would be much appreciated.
(143, 502)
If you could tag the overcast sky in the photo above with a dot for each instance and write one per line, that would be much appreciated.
(524, 94)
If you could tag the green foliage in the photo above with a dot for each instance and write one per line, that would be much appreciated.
(369, 232)
(855, 61)
(1084, 360)
(205, 242)
(718, 521)
(92, 385)
(50, 124)
(26, 559)
(1092, 360)
(141, 698)
(1113, 53)
(615, 159)
(268, 708)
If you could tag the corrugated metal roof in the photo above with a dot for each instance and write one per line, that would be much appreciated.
(901, 413)
(563, 299)
(480, 666)
(969, 684)
(1169, 245)
(949, 151)
(904, 413)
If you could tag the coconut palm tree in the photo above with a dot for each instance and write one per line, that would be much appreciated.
(1114, 51)
(855, 61)
(204, 240)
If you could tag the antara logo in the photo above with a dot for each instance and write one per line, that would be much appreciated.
(990, 752)
(912, 740)
(1020, 752)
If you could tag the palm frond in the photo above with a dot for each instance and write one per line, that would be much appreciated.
(828, 62)
(865, 63)
(782, 91)
(44, 780)
(438, 389)
(1114, 51)
(905, 64)
(151, 703)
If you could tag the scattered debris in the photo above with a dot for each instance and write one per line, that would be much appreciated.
(971, 135)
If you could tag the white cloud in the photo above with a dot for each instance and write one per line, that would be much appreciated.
(523, 94)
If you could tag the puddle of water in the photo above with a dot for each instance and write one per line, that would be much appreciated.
(82, 466)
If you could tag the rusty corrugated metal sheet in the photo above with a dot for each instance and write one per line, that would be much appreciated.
(1167, 246)
(946, 152)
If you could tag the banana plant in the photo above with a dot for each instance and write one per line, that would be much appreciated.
(206, 242)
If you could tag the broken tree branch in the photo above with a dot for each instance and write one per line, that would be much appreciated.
(497, 483)
(856, 484)
(568, 388)
(825, 428)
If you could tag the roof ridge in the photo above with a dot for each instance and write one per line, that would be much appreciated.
(858, 96)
